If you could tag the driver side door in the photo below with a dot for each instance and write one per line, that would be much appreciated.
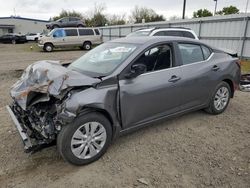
(153, 94)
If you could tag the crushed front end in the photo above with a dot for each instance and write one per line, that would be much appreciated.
(38, 98)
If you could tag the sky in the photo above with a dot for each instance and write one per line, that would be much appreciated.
(44, 9)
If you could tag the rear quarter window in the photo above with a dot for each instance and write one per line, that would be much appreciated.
(83, 32)
(190, 53)
(97, 32)
(206, 52)
(188, 34)
(174, 33)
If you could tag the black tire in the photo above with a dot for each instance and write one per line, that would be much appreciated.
(48, 47)
(65, 135)
(54, 26)
(80, 25)
(87, 46)
(211, 108)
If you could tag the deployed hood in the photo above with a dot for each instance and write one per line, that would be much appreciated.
(43, 79)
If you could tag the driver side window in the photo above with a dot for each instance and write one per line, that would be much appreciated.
(59, 33)
(156, 58)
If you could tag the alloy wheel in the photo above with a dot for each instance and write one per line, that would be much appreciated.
(221, 98)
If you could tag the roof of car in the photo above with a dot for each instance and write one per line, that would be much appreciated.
(151, 39)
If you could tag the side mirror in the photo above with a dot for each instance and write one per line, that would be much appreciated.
(136, 70)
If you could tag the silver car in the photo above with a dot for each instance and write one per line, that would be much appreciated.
(117, 87)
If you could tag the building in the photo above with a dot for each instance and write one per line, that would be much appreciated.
(21, 25)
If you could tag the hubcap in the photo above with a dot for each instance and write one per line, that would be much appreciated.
(48, 48)
(87, 46)
(221, 98)
(88, 140)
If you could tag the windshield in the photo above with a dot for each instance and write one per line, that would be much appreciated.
(104, 59)
(139, 33)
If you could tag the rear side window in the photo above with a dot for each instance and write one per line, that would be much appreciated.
(97, 32)
(160, 33)
(206, 52)
(190, 53)
(174, 33)
(83, 32)
(188, 34)
(71, 32)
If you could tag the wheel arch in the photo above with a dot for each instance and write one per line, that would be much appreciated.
(85, 110)
(231, 85)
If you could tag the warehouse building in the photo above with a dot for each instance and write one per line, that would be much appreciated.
(21, 25)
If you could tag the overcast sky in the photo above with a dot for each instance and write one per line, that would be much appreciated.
(44, 9)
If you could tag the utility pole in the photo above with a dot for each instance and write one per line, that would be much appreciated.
(215, 9)
(246, 6)
(184, 9)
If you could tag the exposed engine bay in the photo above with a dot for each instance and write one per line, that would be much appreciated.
(38, 100)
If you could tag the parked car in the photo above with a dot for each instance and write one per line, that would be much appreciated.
(169, 31)
(118, 87)
(70, 37)
(33, 36)
(13, 38)
(66, 22)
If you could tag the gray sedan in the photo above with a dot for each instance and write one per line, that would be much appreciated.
(117, 87)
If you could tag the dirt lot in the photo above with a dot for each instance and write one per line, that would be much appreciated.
(195, 150)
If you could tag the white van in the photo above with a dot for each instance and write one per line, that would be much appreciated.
(70, 37)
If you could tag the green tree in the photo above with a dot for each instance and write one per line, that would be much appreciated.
(202, 13)
(65, 13)
(229, 10)
(117, 20)
(149, 15)
(96, 16)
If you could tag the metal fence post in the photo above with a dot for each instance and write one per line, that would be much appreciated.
(244, 37)
(119, 32)
(199, 35)
(110, 33)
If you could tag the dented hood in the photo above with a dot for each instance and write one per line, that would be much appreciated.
(43, 79)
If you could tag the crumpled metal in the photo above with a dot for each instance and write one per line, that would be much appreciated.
(46, 78)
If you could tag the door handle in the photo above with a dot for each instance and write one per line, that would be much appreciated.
(174, 78)
(215, 68)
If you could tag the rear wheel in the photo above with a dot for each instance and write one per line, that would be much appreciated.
(80, 25)
(48, 47)
(220, 99)
(55, 26)
(86, 139)
(87, 45)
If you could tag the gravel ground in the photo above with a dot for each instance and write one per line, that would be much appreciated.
(195, 150)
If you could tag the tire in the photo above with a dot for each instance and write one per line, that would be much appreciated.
(36, 40)
(13, 41)
(75, 148)
(87, 46)
(54, 26)
(48, 47)
(80, 25)
(217, 98)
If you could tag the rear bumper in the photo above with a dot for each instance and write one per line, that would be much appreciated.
(24, 136)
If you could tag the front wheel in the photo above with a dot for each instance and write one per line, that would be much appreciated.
(48, 47)
(13, 41)
(220, 99)
(86, 139)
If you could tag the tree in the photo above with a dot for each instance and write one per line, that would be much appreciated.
(229, 10)
(97, 17)
(202, 13)
(65, 13)
(117, 20)
(149, 15)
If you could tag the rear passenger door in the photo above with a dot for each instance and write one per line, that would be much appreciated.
(72, 38)
(196, 73)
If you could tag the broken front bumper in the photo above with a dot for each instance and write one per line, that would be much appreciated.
(23, 133)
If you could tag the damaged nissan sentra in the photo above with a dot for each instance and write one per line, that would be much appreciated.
(118, 87)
